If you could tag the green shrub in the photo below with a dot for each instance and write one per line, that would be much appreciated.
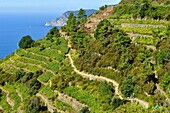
(127, 88)
(26, 42)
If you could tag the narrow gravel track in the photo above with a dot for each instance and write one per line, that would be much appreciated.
(101, 78)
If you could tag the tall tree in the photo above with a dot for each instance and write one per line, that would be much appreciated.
(26, 42)
(81, 14)
(71, 22)
(81, 17)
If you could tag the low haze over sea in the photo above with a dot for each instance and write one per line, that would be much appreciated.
(14, 26)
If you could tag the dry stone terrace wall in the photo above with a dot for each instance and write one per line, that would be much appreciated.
(71, 101)
(142, 25)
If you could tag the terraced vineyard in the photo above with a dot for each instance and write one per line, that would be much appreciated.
(27, 67)
(50, 77)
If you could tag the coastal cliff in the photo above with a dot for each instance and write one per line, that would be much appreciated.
(64, 17)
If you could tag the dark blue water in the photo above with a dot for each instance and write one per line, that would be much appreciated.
(14, 26)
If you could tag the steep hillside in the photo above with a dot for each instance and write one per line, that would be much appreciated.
(131, 47)
(117, 60)
(94, 20)
(157, 2)
(61, 21)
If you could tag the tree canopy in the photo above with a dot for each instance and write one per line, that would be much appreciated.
(26, 42)
(71, 23)
(54, 32)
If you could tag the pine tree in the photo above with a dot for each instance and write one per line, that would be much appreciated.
(81, 16)
(71, 22)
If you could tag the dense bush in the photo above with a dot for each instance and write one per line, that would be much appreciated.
(34, 86)
(127, 88)
(35, 106)
(116, 102)
(54, 32)
(26, 42)
(103, 30)
(84, 110)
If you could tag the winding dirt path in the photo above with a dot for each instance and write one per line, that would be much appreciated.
(115, 84)
(101, 78)
(93, 77)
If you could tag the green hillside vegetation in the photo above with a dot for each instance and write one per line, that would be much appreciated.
(138, 63)
(142, 10)
(122, 67)
(157, 2)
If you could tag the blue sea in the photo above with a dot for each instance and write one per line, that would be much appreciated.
(14, 26)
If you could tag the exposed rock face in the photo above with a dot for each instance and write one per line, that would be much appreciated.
(61, 21)
(95, 19)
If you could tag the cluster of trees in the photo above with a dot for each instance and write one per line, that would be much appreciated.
(26, 42)
(75, 28)
(54, 32)
(74, 23)
(113, 48)
(103, 7)
(34, 105)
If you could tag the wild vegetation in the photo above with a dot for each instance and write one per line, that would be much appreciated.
(123, 66)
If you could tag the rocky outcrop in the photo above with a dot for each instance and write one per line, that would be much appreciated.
(95, 19)
(61, 21)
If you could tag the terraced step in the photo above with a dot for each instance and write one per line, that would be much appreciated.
(9, 101)
(139, 21)
(142, 25)
(49, 93)
(50, 107)
(19, 94)
(71, 101)
(133, 36)
(35, 54)
(45, 84)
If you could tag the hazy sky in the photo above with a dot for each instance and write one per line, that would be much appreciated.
(50, 6)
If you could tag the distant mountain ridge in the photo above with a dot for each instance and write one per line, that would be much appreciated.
(63, 18)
